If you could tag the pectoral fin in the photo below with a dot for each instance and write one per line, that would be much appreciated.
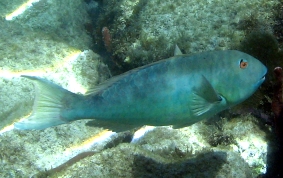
(204, 97)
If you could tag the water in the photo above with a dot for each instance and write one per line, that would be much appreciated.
(62, 41)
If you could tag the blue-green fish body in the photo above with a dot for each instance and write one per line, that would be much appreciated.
(177, 91)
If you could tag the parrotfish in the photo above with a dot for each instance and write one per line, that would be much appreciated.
(178, 91)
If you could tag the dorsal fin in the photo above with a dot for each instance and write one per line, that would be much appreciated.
(177, 51)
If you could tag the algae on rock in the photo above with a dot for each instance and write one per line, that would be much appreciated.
(146, 31)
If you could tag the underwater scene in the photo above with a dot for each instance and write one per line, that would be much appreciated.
(138, 88)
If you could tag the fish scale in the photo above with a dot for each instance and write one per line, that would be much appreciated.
(178, 91)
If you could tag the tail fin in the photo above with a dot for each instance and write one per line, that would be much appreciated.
(47, 106)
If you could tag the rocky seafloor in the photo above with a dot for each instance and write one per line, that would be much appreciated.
(62, 42)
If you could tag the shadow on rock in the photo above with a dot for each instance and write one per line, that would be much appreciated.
(199, 166)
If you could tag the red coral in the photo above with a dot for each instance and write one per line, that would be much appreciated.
(277, 96)
(275, 164)
(277, 101)
(106, 37)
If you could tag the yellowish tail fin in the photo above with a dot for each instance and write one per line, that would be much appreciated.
(47, 106)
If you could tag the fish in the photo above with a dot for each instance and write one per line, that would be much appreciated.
(178, 91)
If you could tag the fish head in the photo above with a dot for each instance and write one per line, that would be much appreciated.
(239, 77)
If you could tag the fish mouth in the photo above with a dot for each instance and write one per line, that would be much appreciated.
(262, 79)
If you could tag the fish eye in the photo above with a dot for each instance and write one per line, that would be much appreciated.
(243, 64)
